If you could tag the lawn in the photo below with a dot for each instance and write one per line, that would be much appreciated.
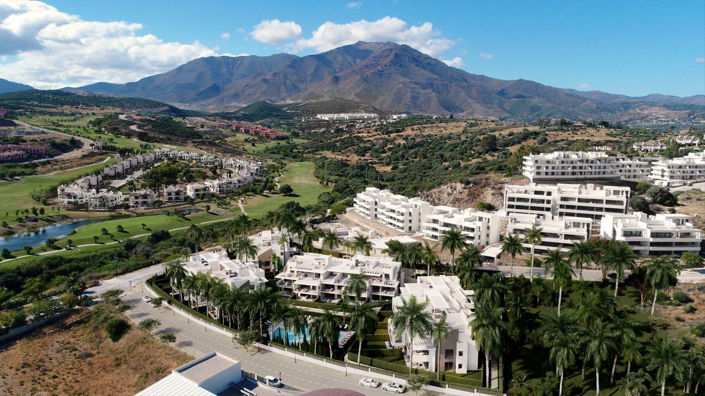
(239, 139)
(299, 175)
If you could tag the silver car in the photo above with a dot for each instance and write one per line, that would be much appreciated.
(394, 387)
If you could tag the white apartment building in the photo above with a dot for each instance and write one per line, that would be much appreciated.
(478, 228)
(235, 273)
(556, 232)
(312, 276)
(104, 199)
(346, 116)
(174, 194)
(688, 140)
(679, 171)
(142, 199)
(396, 211)
(580, 165)
(572, 200)
(197, 190)
(661, 234)
(445, 298)
(651, 147)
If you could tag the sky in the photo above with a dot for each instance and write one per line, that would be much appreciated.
(626, 47)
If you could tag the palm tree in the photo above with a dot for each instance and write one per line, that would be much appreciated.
(284, 241)
(411, 318)
(363, 320)
(176, 273)
(262, 302)
(561, 270)
(623, 331)
(428, 257)
(413, 255)
(666, 358)
(315, 331)
(296, 321)
(362, 244)
(330, 240)
(599, 343)
(439, 332)
(631, 352)
(512, 246)
(453, 241)
(244, 249)
(533, 236)
(618, 257)
(306, 240)
(330, 329)
(661, 272)
(356, 285)
(395, 249)
(635, 384)
(488, 332)
(562, 353)
(466, 266)
(581, 254)
(489, 290)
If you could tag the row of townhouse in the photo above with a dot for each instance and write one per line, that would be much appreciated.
(72, 196)
(688, 140)
(312, 276)
(661, 234)
(571, 200)
(347, 116)
(236, 166)
(128, 165)
(650, 146)
(581, 165)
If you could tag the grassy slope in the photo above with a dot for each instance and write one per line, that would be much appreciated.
(299, 175)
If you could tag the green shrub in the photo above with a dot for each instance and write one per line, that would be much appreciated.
(689, 308)
(116, 328)
(698, 329)
(680, 319)
(681, 297)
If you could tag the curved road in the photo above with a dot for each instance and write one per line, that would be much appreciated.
(86, 142)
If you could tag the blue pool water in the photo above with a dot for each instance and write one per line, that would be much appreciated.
(296, 338)
(35, 239)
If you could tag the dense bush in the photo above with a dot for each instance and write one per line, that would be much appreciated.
(681, 297)
(699, 329)
(116, 328)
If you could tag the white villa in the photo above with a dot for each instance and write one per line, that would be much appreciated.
(651, 146)
(233, 272)
(679, 171)
(661, 234)
(478, 228)
(446, 298)
(556, 232)
(580, 165)
(572, 200)
(393, 210)
(313, 276)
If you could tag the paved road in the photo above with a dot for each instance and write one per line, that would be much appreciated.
(86, 142)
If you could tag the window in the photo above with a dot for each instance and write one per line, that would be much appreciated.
(460, 366)
(448, 366)
(449, 354)
(460, 353)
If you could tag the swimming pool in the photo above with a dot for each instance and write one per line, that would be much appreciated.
(294, 339)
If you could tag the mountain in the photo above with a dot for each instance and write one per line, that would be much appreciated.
(9, 86)
(390, 77)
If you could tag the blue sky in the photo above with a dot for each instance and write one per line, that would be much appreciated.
(627, 47)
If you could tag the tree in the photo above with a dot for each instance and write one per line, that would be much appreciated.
(411, 319)
(315, 331)
(489, 290)
(306, 240)
(168, 338)
(149, 324)
(330, 240)
(619, 257)
(561, 270)
(104, 231)
(488, 332)
(176, 273)
(581, 254)
(296, 321)
(95, 239)
(286, 189)
(666, 358)
(512, 246)
(120, 228)
(639, 204)
(356, 285)
(533, 236)
(362, 244)
(6, 253)
(416, 382)
(631, 352)
(439, 332)
(245, 249)
(245, 338)
(453, 241)
(428, 257)
(623, 331)
(691, 260)
(116, 328)
(599, 343)
(635, 384)
(363, 320)
(69, 244)
(661, 196)
(466, 266)
(661, 272)
(28, 249)
(330, 329)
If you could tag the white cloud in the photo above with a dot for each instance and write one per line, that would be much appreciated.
(584, 86)
(485, 55)
(700, 59)
(240, 30)
(354, 4)
(53, 49)
(274, 31)
(332, 35)
(225, 35)
(455, 62)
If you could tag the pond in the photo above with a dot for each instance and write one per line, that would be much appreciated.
(37, 238)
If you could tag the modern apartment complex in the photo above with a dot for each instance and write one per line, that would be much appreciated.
(313, 276)
(233, 272)
(395, 211)
(581, 165)
(679, 171)
(572, 200)
(445, 298)
(478, 228)
(656, 235)
(556, 232)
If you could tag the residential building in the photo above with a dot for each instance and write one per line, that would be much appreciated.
(651, 146)
(679, 171)
(105, 199)
(580, 165)
(141, 199)
(572, 200)
(671, 234)
(445, 297)
(197, 190)
(688, 140)
(477, 227)
(395, 211)
(312, 276)
(174, 194)
(556, 232)
(233, 272)
(347, 116)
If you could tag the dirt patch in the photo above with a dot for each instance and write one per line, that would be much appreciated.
(482, 188)
(81, 360)
(676, 315)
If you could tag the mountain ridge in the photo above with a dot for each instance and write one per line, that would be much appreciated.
(7, 86)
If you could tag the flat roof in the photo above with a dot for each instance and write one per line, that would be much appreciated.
(210, 366)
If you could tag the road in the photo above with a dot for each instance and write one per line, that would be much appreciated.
(86, 142)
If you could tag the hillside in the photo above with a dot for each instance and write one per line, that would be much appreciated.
(9, 86)
(390, 77)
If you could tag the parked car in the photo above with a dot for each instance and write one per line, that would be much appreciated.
(369, 382)
(271, 381)
(146, 299)
(394, 387)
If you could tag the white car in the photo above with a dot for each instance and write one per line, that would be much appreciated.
(146, 299)
(394, 387)
(369, 382)
(272, 381)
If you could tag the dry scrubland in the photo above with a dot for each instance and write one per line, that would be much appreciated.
(81, 360)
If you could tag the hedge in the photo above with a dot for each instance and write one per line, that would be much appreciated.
(377, 337)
